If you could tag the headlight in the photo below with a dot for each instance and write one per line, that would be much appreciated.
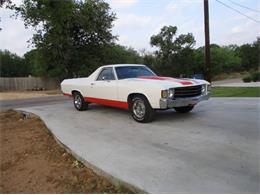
(167, 93)
(203, 88)
(164, 93)
(171, 93)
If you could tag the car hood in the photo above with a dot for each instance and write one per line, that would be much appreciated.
(168, 82)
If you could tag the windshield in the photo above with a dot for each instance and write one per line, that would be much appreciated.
(125, 72)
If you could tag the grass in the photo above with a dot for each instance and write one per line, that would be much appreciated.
(235, 92)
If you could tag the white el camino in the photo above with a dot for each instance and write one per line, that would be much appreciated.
(137, 88)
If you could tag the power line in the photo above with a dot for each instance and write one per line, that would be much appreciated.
(254, 10)
(257, 21)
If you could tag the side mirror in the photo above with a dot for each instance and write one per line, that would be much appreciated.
(103, 78)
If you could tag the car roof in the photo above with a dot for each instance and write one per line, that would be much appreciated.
(119, 65)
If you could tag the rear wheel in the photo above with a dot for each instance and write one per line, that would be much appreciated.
(79, 102)
(141, 109)
(184, 109)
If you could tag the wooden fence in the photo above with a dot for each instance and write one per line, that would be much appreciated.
(28, 83)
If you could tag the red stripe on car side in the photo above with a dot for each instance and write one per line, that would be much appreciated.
(183, 82)
(106, 102)
(113, 103)
(67, 94)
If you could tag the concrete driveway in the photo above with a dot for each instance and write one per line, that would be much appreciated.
(214, 149)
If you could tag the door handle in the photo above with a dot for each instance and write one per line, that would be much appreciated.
(92, 83)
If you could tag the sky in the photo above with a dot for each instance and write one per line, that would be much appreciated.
(138, 20)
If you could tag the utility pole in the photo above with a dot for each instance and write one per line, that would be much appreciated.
(207, 68)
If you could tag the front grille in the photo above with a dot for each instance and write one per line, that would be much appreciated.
(183, 92)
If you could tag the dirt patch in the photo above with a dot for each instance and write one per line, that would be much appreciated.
(14, 95)
(31, 161)
(232, 75)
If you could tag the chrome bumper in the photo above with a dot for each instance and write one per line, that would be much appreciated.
(179, 102)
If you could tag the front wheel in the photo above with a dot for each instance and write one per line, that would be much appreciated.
(79, 102)
(184, 109)
(141, 109)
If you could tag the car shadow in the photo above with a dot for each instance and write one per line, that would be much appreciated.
(160, 115)
(171, 115)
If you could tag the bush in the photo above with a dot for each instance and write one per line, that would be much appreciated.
(255, 76)
(247, 79)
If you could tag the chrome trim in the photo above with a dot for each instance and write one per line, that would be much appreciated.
(115, 76)
(179, 102)
(77, 101)
(139, 108)
(189, 91)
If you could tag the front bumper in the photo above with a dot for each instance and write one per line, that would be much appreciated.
(179, 102)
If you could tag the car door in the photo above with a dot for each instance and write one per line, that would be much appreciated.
(105, 85)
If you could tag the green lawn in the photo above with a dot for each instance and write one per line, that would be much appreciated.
(235, 92)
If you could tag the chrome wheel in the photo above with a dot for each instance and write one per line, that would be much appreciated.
(139, 108)
(77, 101)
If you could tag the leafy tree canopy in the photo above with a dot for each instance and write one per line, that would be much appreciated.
(69, 33)
(11, 65)
(175, 52)
(73, 37)
(249, 54)
(169, 43)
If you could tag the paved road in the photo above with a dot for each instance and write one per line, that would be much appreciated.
(214, 149)
(37, 101)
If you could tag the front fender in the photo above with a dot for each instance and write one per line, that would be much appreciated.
(152, 95)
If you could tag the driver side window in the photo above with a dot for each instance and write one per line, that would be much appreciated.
(106, 74)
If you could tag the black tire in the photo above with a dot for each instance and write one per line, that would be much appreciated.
(142, 101)
(79, 102)
(184, 109)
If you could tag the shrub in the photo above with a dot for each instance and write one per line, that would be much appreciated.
(247, 79)
(255, 76)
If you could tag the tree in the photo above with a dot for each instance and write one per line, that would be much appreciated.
(175, 52)
(224, 59)
(116, 54)
(166, 43)
(12, 65)
(70, 34)
(6, 4)
(249, 54)
(35, 60)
